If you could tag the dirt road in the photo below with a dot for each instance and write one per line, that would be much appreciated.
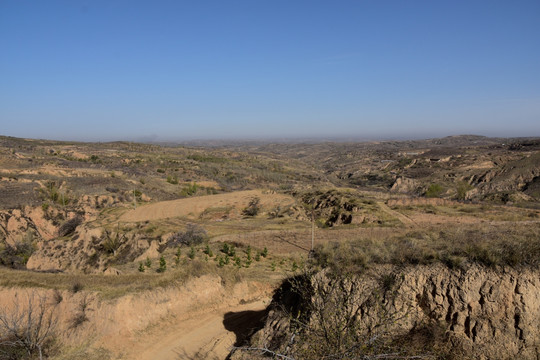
(404, 219)
(210, 336)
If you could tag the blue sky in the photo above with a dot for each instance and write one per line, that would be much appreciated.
(170, 70)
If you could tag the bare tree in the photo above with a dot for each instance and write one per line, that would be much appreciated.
(28, 327)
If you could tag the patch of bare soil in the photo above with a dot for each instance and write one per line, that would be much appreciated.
(210, 336)
(194, 206)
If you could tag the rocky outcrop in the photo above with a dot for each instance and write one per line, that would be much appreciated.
(470, 313)
(90, 250)
(404, 185)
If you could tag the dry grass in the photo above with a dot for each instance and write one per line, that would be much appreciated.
(479, 211)
(495, 245)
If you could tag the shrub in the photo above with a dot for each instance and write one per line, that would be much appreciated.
(434, 190)
(76, 287)
(69, 226)
(141, 267)
(28, 328)
(79, 317)
(189, 190)
(112, 242)
(462, 188)
(253, 208)
(193, 235)
(16, 256)
(172, 179)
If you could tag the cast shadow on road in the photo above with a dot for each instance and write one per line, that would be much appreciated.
(244, 324)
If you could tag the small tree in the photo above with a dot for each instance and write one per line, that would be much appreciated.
(191, 254)
(177, 257)
(162, 265)
(208, 251)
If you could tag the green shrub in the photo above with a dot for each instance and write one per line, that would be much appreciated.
(462, 188)
(434, 190)
(189, 190)
(172, 179)
(237, 261)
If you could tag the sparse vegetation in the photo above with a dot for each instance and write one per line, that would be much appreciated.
(28, 329)
(486, 245)
(189, 190)
(193, 235)
(172, 179)
(344, 186)
(434, 190)
(16, 256)
(253, 207)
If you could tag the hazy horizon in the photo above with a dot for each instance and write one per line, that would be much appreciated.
(171, 71)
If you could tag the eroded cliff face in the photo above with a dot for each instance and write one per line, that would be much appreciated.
(486, 313)
(470, 313)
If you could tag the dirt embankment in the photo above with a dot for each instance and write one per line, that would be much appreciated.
(168, 323)
(469, 313)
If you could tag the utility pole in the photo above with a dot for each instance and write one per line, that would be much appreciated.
(312, 230)
(134, 200)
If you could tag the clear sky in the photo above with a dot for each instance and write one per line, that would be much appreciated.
(168, 70)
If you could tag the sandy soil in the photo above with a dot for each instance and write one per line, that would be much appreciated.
(194, 206)
(210, 336)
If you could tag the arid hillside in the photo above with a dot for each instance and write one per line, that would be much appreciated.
(93, 233)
